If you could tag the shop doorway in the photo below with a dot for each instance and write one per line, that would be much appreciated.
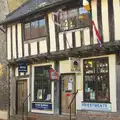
(68, 83)
(21, 94)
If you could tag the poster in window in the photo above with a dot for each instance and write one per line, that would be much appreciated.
(70, 82)
(39, 94)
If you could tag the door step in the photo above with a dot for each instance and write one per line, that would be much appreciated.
(35, 116)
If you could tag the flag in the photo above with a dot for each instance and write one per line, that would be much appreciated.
(97, 34)
(86, 5)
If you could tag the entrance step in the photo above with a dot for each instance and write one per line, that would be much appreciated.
(33, 116)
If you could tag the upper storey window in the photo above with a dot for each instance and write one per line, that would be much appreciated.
(74, 18)
(35, 29)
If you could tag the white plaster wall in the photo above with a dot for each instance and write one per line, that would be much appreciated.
(43, 46)
(9, 43)
(52, 33)
(19, 29)
(64, 66)
(94, 17)
(4, 115)
(87, 36)
(61, 41)
(78, 39)
(112, 81)
(69, 40)
(105, 21)
(26, 49)
(33, 48)
(14, 41)
(116, 6)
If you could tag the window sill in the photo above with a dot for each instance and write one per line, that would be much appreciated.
(35, 39)
(49, 102)
(75, 29)
(96, 102)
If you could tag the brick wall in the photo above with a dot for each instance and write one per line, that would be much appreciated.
(89, 115)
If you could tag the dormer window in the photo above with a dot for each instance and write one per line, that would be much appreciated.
(35, 29)
(74, 18)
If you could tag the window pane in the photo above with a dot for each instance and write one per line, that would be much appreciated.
(89, 66)
(27, 31)
(103, 88)
(83, 18)
(34, 29)
(90, 88)
(42, 84)
(42, 28)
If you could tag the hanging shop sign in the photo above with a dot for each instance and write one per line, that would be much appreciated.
(53, 74)
(96, 106)
(22, 67)
(42, 106)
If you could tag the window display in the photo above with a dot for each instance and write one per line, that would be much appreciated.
(96, 80)
(42, 84)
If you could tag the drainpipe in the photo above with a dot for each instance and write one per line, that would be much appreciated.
(8, 79)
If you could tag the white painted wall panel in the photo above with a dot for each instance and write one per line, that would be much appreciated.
(64, 66)
(87, 36)
(116, 6)
(105, 20)
(33, 47)
(26, 50)
(69, 40)
(78, 39)
(14, 41)
(19, 27)
(52, 33)
(94, 17)
(43, 46)
(8, 43)
(16, 71)
(61, 41)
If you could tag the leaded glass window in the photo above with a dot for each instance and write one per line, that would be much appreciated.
(96, 80)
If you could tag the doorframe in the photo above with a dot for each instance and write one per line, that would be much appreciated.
(28, 91)
(60, 108)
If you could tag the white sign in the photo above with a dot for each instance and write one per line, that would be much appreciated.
(96, 106)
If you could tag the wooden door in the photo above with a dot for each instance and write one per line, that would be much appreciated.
(68, 86)
(21, 96)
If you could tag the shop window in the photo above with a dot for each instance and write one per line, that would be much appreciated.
(74, 18)
(42, 84)
(96, 80)
(35, 29)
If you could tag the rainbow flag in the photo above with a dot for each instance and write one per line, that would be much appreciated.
(86, 5)
(99, 39)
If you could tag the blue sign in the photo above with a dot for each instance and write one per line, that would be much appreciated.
(96, 106)
(22, 67)
(42, 106)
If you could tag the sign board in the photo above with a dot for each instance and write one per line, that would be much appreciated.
(22, 67)
(53, 74)
(96, 106)
(42, 106)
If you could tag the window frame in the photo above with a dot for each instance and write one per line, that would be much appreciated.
(33, 20)
(42, 100)
(96, 83)
(78, 26)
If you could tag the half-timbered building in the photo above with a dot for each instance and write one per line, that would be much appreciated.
(35, 43)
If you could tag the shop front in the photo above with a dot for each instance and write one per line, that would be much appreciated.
(98, 91)
(42, 89)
